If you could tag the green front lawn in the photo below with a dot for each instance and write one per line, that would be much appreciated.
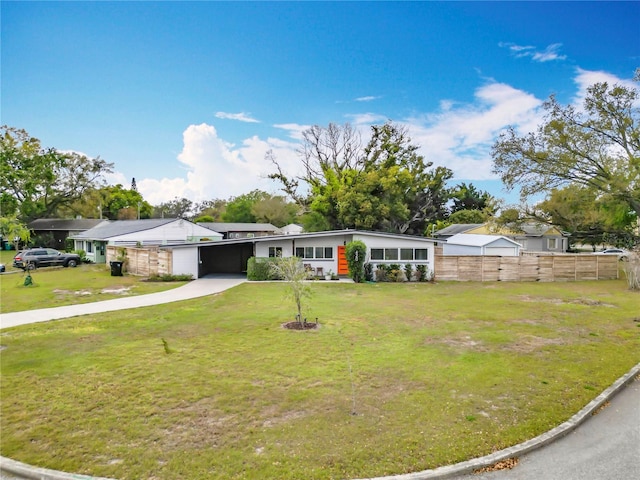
(399, 378)
(57, 286)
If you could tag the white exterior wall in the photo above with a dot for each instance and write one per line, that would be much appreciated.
(262, 248)
(503, 251)
(372, 241)
(452, 249)
(289, 245)
(326, 264)
(185, 261)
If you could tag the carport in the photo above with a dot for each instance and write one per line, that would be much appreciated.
(224, 258)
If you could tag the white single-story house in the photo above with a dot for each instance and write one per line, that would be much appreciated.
(153, 231)
(321, 252)
(473, 244)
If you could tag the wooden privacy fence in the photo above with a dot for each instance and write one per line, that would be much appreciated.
(532, 268)
(145, 261)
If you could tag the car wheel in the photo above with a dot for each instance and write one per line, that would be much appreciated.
(71, 263)
(30, 266)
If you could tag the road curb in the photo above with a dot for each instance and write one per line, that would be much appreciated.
(520, 449)
(24, 471)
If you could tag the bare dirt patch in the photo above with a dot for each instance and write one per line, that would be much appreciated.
(460, 342)
(120, 290)
(559, 301)
(301, 325)
(532, 343)
(81, 293)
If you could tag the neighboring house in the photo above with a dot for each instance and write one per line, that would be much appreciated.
(53, 232)
(455, 229)
(154, 231)
(322, 252)
(533, 237)
(292, 229)
(474, 244)
(242, 230)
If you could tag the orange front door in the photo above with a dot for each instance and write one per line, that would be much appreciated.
(343, 268)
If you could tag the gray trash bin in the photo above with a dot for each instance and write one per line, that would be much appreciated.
(116, 269)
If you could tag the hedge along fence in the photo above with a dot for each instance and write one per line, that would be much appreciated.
(147, 261)
(532, 268)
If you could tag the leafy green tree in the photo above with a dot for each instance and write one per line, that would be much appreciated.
(123, 204)
(468, 197)
(275, 210)
(597, 147)
(384, 186)
(38, 181)
(588, 216)
(211, 208)
(204, 219)
(176, 208)
(313, 221)
(259, 206)
(467, 216)
(12, 230)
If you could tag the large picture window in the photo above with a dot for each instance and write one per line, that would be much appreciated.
(315, 252)
(403, 254)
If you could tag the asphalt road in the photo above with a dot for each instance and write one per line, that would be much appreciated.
(605, 447)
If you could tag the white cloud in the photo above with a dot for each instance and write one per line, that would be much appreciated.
(295, 129)
(368, 98)
(459, 136)
(218, 169)
(548, 54)
(367, 119)
(585, 78)
(241, 117)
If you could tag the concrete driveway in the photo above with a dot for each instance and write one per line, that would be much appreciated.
(197, 288)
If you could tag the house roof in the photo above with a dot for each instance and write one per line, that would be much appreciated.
(294, 236)
(457, 228)
(530, 229)
(474, 240)
(124, 227)
(64, 224)
(239, 227)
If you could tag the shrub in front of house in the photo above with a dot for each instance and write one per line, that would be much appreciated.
(83, 256)
(356, 252)
(368, 272)
(167, 277)
(395, 273)
(408, 271)
(260, 269)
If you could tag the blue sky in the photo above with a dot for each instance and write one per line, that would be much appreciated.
(187, 97)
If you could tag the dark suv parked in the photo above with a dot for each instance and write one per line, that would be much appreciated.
(44, 257)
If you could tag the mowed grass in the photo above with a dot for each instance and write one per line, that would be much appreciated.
(57, 286)
(399, 378)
